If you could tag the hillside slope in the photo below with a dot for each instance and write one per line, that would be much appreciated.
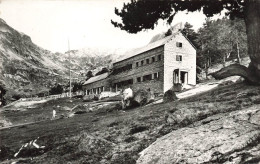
(217, 126)
(27, 69)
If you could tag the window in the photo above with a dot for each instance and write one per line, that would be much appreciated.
(124, 83)
(137, 64)
(156, 75)
(147, 77)
(142, 63)
(147, 61)
(130, 81)
(178, 44)
(178, 58)
(122, 69)
(153, 59)
(159, 57)
(138, 79)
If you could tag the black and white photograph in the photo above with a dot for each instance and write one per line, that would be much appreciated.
(129, 81)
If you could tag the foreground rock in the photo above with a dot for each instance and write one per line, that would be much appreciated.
(230, 137)
(139, 98)
(169, 96)
(142, 97)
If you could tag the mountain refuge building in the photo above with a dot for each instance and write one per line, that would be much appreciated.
(157, 66)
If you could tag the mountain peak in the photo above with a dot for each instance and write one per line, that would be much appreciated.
(2, 21)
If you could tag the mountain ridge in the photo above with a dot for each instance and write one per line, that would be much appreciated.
(28, 69)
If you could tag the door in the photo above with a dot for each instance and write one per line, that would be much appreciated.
(176, 76)
(184, 77)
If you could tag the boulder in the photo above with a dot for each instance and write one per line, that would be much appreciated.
(88, 98)
(169, 96)
(222, 138)
(127, 94)
(140, 97)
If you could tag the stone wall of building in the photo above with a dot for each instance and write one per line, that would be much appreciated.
(97, 87)
(153, 67)
(154, 85)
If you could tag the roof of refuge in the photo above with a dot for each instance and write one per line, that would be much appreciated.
(148, 47)
(96, 78)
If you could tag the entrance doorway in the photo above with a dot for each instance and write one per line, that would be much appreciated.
(180, 77)
(184, 77)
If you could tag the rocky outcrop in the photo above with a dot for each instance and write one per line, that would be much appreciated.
(226, 137)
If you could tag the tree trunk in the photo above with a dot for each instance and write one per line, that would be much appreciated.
(252, 21)
(224, 60)
(238, 55)
(206, 69)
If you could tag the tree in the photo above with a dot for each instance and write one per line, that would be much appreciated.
(77, 86)
(206, 42)
(2, 94)
(144, 14)
(239, 38)
(168, 33)
(217, 41)
(89, 75)
(103, 70)
(189, 32)
(57, 89)
(223, 41)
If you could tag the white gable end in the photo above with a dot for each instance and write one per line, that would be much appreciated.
(179, 55)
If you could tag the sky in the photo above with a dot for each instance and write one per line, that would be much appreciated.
(85, 23)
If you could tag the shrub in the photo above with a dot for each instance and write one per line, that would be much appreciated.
(58, 89)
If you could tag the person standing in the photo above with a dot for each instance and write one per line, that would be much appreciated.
(53, 114)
